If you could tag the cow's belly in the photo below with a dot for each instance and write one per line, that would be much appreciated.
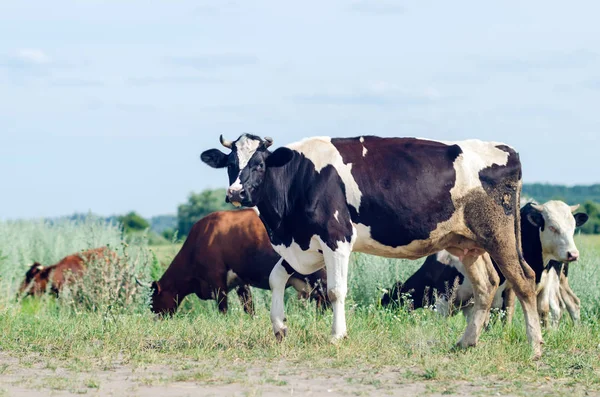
(305, 262)
(415, 250)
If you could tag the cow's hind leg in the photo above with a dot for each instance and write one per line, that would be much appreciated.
(484, 279)
(245, 296)
(336, 262)
(278, 280)
(522, 280)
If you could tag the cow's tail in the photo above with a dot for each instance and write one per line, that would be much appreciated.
(517, 219)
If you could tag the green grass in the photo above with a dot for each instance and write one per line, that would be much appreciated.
(49, 332)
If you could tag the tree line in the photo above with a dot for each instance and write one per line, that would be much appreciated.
(198, 205)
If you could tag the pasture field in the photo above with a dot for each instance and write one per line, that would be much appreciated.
(100, 338)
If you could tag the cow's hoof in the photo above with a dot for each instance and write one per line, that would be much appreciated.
(335, 339)
(281, 334)
(463, 345)
(537, 353)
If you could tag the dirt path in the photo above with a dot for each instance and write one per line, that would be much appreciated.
(232, 379)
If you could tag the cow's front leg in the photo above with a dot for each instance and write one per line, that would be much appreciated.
(336, 262)
(277, 280)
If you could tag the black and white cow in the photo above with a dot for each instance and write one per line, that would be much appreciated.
(547, 236)
(322, 198)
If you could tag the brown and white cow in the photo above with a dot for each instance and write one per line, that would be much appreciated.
(38, 278)
(322, 198)
(225, 250)
(547, 232)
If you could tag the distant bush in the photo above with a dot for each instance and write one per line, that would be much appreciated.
(133, 222)
(198, 206)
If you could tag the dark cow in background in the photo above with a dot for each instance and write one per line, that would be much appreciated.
(322, 198)
(225, 250)
(547, 236)
(38, 278)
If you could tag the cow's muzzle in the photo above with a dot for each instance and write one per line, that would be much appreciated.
(237, 197)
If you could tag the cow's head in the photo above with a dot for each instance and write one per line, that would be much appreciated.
(163, 302)
(32, 284)
(557, 224)
(246, 165)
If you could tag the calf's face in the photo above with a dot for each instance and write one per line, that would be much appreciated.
(557, 224)
(246, 166)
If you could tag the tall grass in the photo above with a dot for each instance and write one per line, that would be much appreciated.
(106, 318)
(108, 282)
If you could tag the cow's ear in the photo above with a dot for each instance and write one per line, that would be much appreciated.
(279, 157)
(580, 219)
(214, 158)
(536, 218)
(155, 287)
(36, 267)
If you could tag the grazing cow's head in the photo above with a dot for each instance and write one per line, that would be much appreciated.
(246, 166)
(33, 282)
(162, 302)
(557, 224)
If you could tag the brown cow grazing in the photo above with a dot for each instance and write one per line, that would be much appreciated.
(38, 277)
(224, 250)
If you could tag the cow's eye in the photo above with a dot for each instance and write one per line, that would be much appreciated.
(553, 229)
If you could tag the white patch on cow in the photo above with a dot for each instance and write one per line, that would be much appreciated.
(321, 152)
(246, 147)
(336, 214)
(304, 262)
(255, 209)
(476, 155)
(232, 279)
(362, 141)
(40, 267)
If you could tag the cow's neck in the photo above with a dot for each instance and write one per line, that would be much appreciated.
(532, 246)
(275, 204)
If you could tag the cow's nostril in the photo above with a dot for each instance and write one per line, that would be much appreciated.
(572, 255)
(242, 194)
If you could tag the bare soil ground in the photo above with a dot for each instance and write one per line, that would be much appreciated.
(26, 378)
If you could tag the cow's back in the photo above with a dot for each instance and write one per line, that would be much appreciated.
(236, 241)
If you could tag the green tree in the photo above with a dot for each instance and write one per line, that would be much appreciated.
(133, 222)
(198, 206)
(592, 226)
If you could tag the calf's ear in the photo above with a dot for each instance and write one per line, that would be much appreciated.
(580, 219)
(214, 158)
(279, 157)
(536, 218)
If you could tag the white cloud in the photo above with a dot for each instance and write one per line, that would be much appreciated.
(32, 55)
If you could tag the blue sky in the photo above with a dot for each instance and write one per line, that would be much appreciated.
(106, 105)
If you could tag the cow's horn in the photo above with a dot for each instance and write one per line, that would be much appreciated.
(574, 207)
(225, 143)
(268, 141)
(538, 207)
(147, 285)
